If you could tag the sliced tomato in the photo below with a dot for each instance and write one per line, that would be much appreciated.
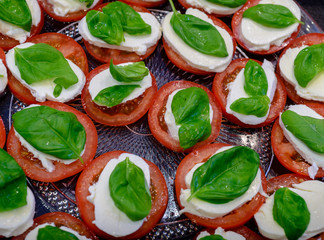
(181, 63)
(236, 26)
(144, 3)
(118, 56)
(237, 217)
(308, 39)
(60, 219)
(70, 49)
(33, 167)
(123, 114)
(220, 89)
(70, 17)
(156, 116)
(2, 134)
(286, 153)
(90, 175)
(2, 56)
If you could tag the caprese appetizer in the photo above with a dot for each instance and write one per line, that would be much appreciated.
(145, 3)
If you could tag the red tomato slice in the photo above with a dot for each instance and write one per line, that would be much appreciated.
(90, 175)
(181, 63)
(70, 49)
(236, 26)
(157, 110)
(236, 218)
(144, 3)
(118, 56)
(60, 219)
(126, 113)
(2, 134)
(70, 17)
(33, 168)
(285, 152)
(308, 39)
(220, 90)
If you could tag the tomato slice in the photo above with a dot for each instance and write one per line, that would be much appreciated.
(236, 26)
(285, 152)
(181, 63)
(60, 219)
(118, 56)
(122, 116)
(70, 49)
(235, 218)
(70, 17)
(2, 134)
(144, 3)
(33, 168)
(156, 116)
(90, 175)
(220, 89)
(308, 39)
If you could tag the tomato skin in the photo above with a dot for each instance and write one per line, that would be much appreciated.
(90, 175)
(236, 26)
(235, 218)
(222, 80)
(285, 152)
(143, 3)
(60, 219)
(160, 101)
(2, 134)
(70, 17)
(70, 49)
(35, 170)
(117, 119)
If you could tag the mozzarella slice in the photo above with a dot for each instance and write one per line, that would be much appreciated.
(3, 77)
(63, 7)
(228, 235)
(213, 8)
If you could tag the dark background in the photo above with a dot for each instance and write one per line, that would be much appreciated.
(315, 8)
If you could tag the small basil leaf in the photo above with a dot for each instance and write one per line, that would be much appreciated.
(229, 3)
(17, 13)
(1, 76)
(308, 63)
(89, 2)
(257, 106)
(54, 233)
(57, 90)
(256, 83)
(114, 95)
(225, 176)
(129, 73)
(129, 190)
(307, 129)
(290, 212)
(212, 237)
(271, 15)
(51, 131)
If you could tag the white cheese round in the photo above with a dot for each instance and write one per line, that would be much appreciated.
(213, 8)
(236, 91)
(228, 235)
(63, 7)
(3, 77)
(44, 90)
(194, 58)
(258, 37)
(108, 217)
(133, 43)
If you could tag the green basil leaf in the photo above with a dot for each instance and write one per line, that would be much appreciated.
(133, 72)
(17, 13)
(257, 106)
(212, 237)
(54, 233)
(256, 83)
(129, 190)
(271, 15)
(308, 63)
(225, 176)
(228, 3)
(51, 131)
(307, 129)
(1, 76)
(290, 212)
(131, 20)
(89, 2)
(114, 95)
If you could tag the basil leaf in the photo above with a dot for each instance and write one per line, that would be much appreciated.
(89, 2)
(256, 83)
(133, 72)
(307, 129)
(308, 63)
(114, 95)
(271, 15)
(17, 13)
(1, 76)
(225, 176)
(54, 233)
(257, 106)
(51, 131)
(290, 212)
(212, 237)
(228, 3)
(129, 190)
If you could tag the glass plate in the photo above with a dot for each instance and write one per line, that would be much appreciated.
(136, 138)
